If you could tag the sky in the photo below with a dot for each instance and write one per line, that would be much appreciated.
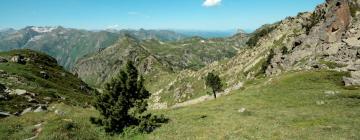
(150, 14)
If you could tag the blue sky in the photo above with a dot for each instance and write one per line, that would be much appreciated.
(150, 14)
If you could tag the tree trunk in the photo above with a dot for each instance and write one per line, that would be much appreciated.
(214, 94)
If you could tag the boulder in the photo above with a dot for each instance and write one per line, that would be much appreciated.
(47, 98)
(18, 92)
(40, 108)
(355, 74)
(2, 88)
(18, 59)
(4, 114)
(3, 93)
(242, 110)
(3, 97)
(3, 74)
(320, 102)
(27, 110)
(31, 100)
(58, 112)
(352, 41)
(351, 81)
(3, 60)
(331, 93)
(44, 74)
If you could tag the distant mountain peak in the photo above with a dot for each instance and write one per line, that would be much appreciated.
(43, 29)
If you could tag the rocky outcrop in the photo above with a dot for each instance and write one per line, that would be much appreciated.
(337, 19)
(3, 94)
(154, 58)
(38, 83)
(333, 41)
(3, 60)
(354, 80)
(44, 74)
(327, 38)
(18, 59)
(4, 114)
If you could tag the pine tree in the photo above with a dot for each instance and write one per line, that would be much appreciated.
(124, 103)
(214, 82)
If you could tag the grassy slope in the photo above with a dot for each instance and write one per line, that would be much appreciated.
(283, 108)
(60, 84)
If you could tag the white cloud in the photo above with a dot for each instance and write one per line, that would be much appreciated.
(211, 3)
(116, 26)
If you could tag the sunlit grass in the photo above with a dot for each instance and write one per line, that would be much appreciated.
(292, 106)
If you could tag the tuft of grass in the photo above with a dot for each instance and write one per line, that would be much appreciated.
(332, 65)
(354, 8)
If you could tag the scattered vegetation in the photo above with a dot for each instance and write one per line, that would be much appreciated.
(292, 106)
(259, 33)
(354, 8)
(284, 50)
(266, 63)
(312, 21)
(332, 65)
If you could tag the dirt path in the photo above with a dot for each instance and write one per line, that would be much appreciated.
(208, 97)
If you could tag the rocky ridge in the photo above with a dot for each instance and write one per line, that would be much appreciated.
(327, 38)
(155, 58)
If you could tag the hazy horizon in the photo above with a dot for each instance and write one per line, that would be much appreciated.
(201, 15)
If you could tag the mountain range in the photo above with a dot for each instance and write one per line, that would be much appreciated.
(296, 78)
(68, 45)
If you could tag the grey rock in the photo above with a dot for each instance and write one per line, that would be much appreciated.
(63, 74)
(18, 59)
(242, 110)
(3, 97)
(351, 81)
(27, 110)
(355, 74)
(3, 60)
(47, 98)
(3, 74)
(320, 102)
(33, 101)
(331, 93)
(38, 125)
(18, 92)
(44, 74)
(58, 112)
(2, 88)
(4, 114)
(352, 41)
(40, 108)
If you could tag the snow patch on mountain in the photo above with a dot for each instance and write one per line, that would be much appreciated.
(43, 29)
(35, 38)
